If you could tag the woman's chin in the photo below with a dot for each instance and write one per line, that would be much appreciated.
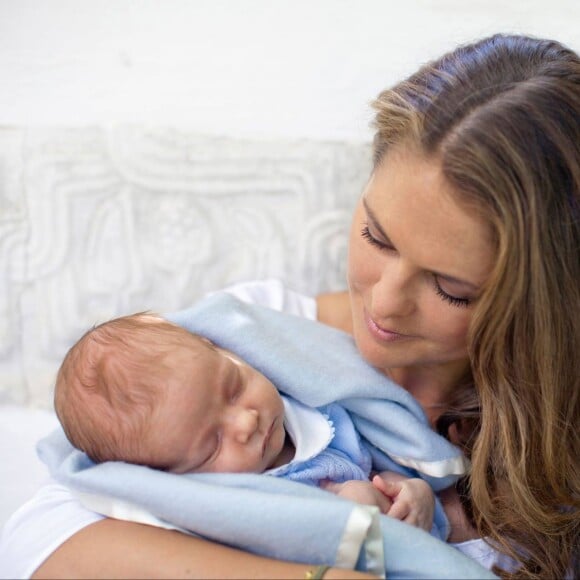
(383, 356)
(371, 352)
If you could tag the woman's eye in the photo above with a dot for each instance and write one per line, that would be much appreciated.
(366, 234)
(453, 300)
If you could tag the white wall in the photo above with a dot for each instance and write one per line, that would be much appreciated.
(264, 68)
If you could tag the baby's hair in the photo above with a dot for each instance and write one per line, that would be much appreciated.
(110, 382)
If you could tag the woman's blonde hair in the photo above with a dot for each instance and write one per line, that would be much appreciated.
(502, 116)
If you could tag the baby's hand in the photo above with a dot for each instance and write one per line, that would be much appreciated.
(361, 492)
(412, 499)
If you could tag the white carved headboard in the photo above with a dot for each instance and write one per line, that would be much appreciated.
(101, 221)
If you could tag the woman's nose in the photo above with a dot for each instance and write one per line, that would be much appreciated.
(392, 295)
(243, 423)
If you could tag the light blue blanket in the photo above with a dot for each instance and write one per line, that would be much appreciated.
(275, 517)
(318, 365)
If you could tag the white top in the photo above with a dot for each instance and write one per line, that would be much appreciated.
(54, 514)
(310, 431)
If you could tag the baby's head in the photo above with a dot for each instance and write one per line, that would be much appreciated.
(142, 390)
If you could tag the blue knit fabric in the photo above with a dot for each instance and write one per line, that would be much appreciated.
(344, 458)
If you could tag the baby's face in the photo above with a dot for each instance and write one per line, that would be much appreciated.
(219, 415)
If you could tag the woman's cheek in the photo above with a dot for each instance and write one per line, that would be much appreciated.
(452, 327)
(360, 262)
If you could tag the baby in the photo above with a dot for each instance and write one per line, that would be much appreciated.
(142, 390)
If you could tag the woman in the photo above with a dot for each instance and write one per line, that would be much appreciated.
(464, 287)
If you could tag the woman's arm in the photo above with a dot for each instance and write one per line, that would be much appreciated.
(117, 549)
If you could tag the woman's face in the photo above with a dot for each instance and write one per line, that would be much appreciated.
(417, 263)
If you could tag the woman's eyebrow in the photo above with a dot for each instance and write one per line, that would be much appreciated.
(375, 222)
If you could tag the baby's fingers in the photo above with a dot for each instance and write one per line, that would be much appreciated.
(388, 488)
(400, 510)
(420, 520)
(331, 486)
(416, 516)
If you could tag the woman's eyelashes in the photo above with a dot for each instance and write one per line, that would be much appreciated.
(453, 300)
(366, 234)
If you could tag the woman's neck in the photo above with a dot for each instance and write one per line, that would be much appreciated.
(432, 386)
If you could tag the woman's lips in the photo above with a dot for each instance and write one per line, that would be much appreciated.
(383, 334)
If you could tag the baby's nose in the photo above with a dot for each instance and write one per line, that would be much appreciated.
(245, 424)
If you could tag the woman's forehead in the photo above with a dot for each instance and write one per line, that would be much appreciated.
(410, 199)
